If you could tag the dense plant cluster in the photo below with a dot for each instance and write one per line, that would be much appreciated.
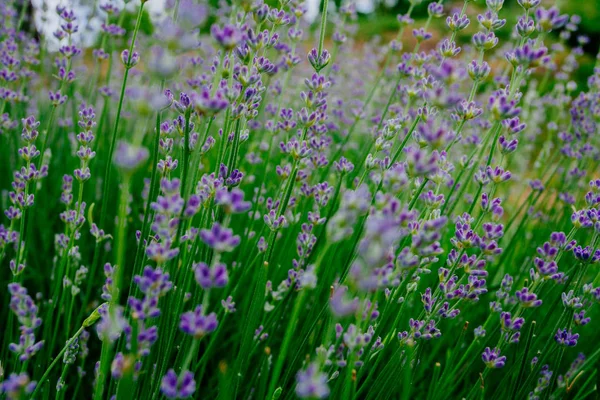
(245, 205)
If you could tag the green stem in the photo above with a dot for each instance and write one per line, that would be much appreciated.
(290, 330)
(89, 321)
(323, 26)
(111, 150)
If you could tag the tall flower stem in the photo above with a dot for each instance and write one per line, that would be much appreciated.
(323, 26)
(299, 305)
(151, 195)
(89, 321)
(111, 150)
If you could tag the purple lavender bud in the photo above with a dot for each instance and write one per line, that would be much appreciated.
(566, 338)
(69, 51)
(59, 34)
(421, 34)
(498, 174)
(457, 22)
(494, 5)
(484, 41)
(220, 238)
(232, 201)
(513, 125)
(507, 146)
(24, 308)
(502, 107)
(130, 61)
(110, 8)
(112, 323)
(435, 9)
(529, 4)
(569, 300)
(490, 21)
(229, 305)
(318, 61)
(467, 111)
(174, 387)
(427, 300)
(56, 98)
(527, 298)
(550, 19)
(449, 48)
(114, 31)
(525, 27)
(161, 252)
(227, 36)
(207, 277)
(197, 324)
(492, 358)
(340, 304)
(311, 383)
(207, 104)
(528, 55)
(17, 386)
(117, 366)
(580, 319)
(478, 71)
(510, 324)
(343, 166)
(129, 157)
(404, 19)
(585, 254)
(153, 282)
(479, 332)
(184, 103)
(278, 17)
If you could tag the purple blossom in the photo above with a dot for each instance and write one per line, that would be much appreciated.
(17, 386)
(220, 238)
(227, 36)
(550, 19)
(457, 22)
(178, 387)
(197, 324)
(492, 358)
(311, 383)
(24, 308)
(206, 103)
(211, 277)
(340, 304)
(232, 200)
(129, 157)
(564, 337)
(527, 298)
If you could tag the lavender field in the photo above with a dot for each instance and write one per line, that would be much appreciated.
(238, 202)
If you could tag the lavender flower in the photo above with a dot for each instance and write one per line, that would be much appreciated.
(219, 238)
(26, 311)
(197, 324)
(227, 36)
(527, 298)
(311, 383)
(209, 277)
(129, 157)
(492, 358)
(17, 386)
(178, 387)
(564, 337)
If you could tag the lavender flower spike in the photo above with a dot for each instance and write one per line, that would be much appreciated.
(220, 238)
(197, 324)
(492, 358)
(174, 387)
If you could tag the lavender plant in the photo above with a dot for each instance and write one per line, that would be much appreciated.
(243, 204)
